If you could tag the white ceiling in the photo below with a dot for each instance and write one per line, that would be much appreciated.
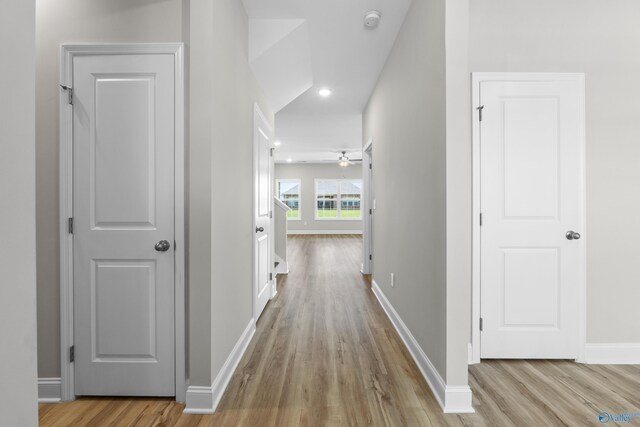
(299, 46)
(318, 137)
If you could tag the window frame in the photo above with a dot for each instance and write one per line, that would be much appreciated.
(299, 181)
(338, 181)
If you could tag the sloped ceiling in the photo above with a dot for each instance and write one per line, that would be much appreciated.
(280, 58)
(299, 46)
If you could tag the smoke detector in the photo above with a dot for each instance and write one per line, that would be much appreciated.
(372, 19)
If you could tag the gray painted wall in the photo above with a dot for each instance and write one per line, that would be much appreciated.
(222, 92)
(407, 121)
(459, 190)
(199, 272)
(75, 21)
(600, 39)
(307, 173)
(235, 90)
(18, 370)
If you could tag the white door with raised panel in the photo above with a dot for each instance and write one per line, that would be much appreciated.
(123, 188)
(531, 142)
(262, 205)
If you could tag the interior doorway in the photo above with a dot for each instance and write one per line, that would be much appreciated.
(263, 212)
(368, 208)
(529, 244)
(122, 197)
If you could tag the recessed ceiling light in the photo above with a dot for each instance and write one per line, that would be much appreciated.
(277, 143)
(289, 160)
(324, 92)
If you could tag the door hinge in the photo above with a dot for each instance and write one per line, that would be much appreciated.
(271, 152)
(480, 108)
(480, 220)
(72, 354)
(70, 225)
(270, 276)
(370, 211)
(370, 257)
(481, 324)
(69, 93)
(270, 214)
(370, 165)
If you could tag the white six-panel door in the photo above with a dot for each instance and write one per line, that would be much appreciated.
(531, 154)
(262, 189)
(123, 187)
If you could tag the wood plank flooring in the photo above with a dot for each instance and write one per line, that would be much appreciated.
(325, 354)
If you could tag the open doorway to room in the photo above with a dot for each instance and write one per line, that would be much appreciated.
(317, 72)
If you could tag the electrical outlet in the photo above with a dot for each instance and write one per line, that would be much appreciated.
(393, 280)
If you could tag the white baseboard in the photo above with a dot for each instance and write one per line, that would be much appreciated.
(452, 399)
(49, 390)
(205, 400)
(199, 400)
(324, 232)
(612, 354)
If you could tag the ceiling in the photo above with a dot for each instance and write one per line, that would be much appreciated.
(318, 137)
(297, 47)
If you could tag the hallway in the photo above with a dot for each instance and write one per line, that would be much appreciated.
(325, 353)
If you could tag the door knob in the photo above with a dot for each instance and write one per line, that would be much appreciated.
(163, 246)
(259, 229)
(572, 235)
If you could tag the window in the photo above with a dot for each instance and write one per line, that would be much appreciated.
(289, 194)
(338, 198)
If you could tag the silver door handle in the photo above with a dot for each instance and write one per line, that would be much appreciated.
(259, 229)
(572, 235)
(163, 246)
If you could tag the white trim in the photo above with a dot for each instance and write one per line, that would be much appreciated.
(67, 54)
(274, 286)
(367, 204)
(278, 203)
(452, 399)
(49, 390)
(199, 400)
(612, 354)
(324, 231)
(205, 400)
(476, 79)
(283, 266)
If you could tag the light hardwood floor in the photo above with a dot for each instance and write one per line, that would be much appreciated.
(324, 353)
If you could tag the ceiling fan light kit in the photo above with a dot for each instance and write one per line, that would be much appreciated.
(343, 161)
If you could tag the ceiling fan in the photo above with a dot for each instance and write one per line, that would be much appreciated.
(344, 160)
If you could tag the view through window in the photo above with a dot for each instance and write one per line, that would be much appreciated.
(289, 193)
(338, 198)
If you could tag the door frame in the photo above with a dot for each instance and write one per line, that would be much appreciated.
(476, 80)
(67, 53)
(367, 196)
(258, 116)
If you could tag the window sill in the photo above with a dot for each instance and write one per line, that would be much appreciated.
(338, 219)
